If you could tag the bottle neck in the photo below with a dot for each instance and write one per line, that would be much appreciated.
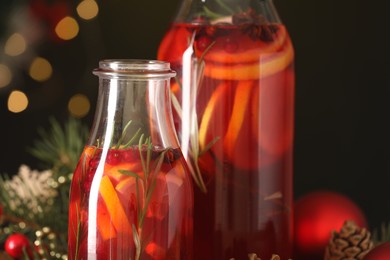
(219, 11)
(131, 109)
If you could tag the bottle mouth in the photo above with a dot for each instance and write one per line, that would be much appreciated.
(134, 68)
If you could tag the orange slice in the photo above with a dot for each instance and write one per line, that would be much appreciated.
(116, 212)
(236, 123)
(216, 115)
(105, 227)
(267, 64)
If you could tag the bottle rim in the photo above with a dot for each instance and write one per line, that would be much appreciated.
(134, 68)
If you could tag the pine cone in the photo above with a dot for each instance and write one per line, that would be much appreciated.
(351, 243)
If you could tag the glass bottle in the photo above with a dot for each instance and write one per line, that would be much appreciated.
(131, 193)
(233, 101)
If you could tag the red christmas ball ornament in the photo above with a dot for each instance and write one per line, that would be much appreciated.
(16, 244)
(381, 252)
(316, 215)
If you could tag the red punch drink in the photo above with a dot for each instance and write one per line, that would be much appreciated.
(131, 207)
(240, 148)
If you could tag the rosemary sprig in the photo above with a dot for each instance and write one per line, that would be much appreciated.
(148, 181)
(194, 149)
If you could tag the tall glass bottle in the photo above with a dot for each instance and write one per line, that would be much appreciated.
(233, 102)
(131, 193)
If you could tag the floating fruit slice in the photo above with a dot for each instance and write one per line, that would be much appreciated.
(117, 214)
(237, 149)
(105, 227)
(115, 172)
(266, 65)
(253, 48)
(216, 116)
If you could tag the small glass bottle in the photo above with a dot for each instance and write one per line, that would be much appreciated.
(131, 193)
(234, 112)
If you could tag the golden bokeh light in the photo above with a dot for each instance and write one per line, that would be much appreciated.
(40, 69)
(15, 45)
(79, 105)
(87, 9)
(17, 101)
(5, 75)
(67, 28)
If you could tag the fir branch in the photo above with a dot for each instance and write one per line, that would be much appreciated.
(59, 147)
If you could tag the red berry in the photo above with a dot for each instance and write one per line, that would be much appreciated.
(202, 43)
(16, 244)
(113, 157)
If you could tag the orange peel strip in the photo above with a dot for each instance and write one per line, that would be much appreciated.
(106, 230)
(252, 55)
(269, 64)
(115, 209)
(240, 105)
(208, 112)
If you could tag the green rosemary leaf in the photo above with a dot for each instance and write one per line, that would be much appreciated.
(150, 189)
(129, 173)
(123, 135)
(145, 179)
(131, 141)
(137, 243)
(148, 144)
(209, 145)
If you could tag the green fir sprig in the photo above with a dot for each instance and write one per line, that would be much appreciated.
(44, 219)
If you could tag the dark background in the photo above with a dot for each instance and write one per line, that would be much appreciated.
(342, 87)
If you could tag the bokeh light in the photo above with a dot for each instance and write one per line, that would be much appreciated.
(17, 101)
(40, 69)
(5, 75)
(67, 28)
(79, 106)
(15, 45)
(87, 9)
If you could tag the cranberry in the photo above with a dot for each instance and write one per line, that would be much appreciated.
(113, 157)
(203, 42)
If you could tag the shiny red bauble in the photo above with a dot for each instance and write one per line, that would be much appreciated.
(316, 215)
(381, 252)
(16, 244)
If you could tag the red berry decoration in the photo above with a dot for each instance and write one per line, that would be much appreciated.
(381, 252)
(316, 215)
(16, 244)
